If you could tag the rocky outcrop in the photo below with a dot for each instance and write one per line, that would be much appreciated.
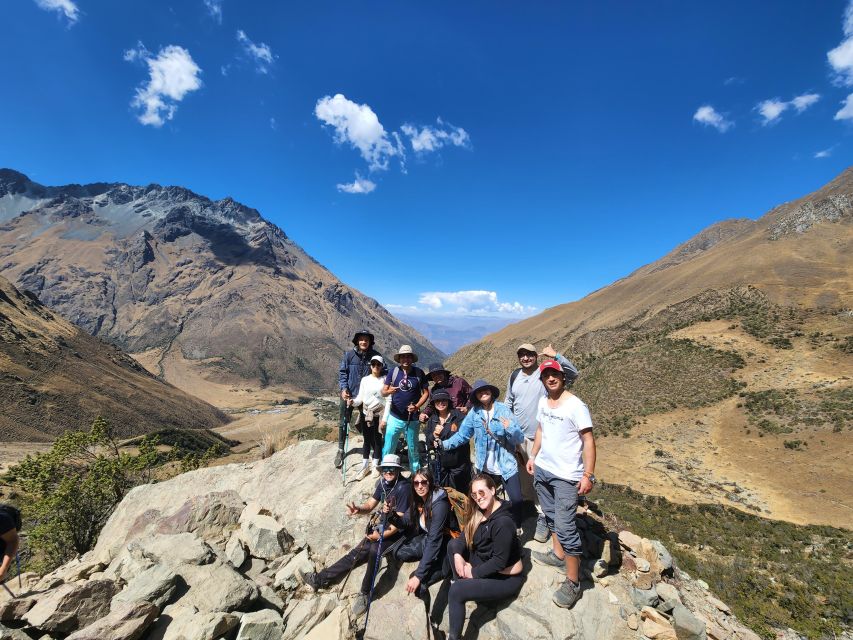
(162, 580)
(199, 286)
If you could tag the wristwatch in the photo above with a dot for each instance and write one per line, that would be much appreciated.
(591, 476)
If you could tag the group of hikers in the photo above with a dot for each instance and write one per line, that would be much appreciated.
(460, 520)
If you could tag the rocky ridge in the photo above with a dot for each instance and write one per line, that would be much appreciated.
(216, 553)
(201, 291)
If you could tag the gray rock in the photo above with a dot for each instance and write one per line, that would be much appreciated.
(288, 576)
(664, 557)
(14, 608)
(667, 591)
(126, 621)
(642, 564)
(12, 634)
(72, 606)
(303, 615)
(264, 536)
(234, 551)
(687, 626)
(155, 585)
(599, 569)
(261, 625)
(270, 598)
(216, 587)
(174, 549)
(128, 564)
(185, 623)
(644, 597)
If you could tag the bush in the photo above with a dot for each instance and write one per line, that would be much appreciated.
(73, 488)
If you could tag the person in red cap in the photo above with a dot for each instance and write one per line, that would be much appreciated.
(562, 463)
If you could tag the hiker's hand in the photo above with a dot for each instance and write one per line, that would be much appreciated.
(423, 417)
(382, 424)
(353, 509)
(505, 422)
(530, 466)
(412, 407)
(393, 390)
(413, 584)
(437, 431)
(437, 444)
(549, 351)
(373, 537)
(584, 486)
(386, 508)
(462, 410)
(345, 394)
(468, 571)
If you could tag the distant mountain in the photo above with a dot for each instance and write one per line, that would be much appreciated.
(451, 333)
(204, 293)
(54, 376)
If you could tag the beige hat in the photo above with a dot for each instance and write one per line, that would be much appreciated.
(406, 349)
(527, 347)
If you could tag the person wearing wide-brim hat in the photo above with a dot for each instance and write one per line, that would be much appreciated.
(496, 435)
(453, 468)
(409, 391)
(392, 490)
(354, 366)
(456, 386)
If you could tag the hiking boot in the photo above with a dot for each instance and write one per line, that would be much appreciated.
(339, 458)
(310, 578)
(359, 605)
(542, 532)
(549, 559)
(567, 594)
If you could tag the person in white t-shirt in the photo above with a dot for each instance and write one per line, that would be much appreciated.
(562, 463)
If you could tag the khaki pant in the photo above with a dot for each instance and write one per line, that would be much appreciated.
(528, 492)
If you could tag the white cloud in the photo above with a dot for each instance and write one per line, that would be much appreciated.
(172, 75)
(841, 58)
(473, 303)
(846, 112)
(261, 54)
(273, 124)
(733, 80)
(804, 101)
(429, 138)
(709, 116)
(825, 153)
(64, 7)
(771, 110)
(359, 185)
(214, 8)
(359, 125)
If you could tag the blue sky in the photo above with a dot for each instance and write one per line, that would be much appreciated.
(439, 155)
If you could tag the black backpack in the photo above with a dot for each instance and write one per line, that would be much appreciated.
(13, 513)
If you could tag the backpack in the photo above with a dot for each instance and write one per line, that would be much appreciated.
(459, 506)
(14, 514)
(513, 376)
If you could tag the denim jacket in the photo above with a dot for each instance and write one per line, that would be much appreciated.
(508, 438)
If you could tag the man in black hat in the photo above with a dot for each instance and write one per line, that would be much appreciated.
(354, 366)
(456, 386)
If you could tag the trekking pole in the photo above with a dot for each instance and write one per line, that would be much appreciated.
(382, 524)
(18, 563)
(346, 449)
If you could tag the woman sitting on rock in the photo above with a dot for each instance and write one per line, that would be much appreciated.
(486, 560)
(496, 436)
(427, 526)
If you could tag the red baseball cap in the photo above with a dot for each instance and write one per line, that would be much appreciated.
(550, 364)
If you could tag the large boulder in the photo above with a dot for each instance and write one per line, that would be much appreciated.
(261, 625)
(155, 585)
(216, 587)
(126, 621)
(185, 623)
(72, 606)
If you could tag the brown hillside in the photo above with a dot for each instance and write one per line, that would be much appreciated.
(54, 377)
(674, 356)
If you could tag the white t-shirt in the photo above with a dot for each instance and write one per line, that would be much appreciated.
(561, 452)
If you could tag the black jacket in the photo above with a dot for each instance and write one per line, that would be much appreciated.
(436, 533)
(496, 544)
(453, 458)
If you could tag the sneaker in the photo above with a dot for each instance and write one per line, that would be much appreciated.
(519, 532)
(542, 532)
(339, 458)
(359, 605)
(567, 594)
(310, 578)
(375, 472)
(365, 471)
(549, 559)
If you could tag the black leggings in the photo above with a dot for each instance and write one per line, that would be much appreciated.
(364, 551)
(372, 439)
(462, 590)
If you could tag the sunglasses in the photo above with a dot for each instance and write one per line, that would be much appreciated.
(526, 354)
(389, 471)
(420, 483)
(479, 494)
(375, 364)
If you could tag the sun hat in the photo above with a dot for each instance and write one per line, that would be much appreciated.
(550, 364)
(405, 349)
(390, 461)
(378, 359)
(439, 394)
(479, 385)
(437, 367)
(526, 347)
(363, 332)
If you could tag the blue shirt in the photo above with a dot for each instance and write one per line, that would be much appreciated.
(410, 391)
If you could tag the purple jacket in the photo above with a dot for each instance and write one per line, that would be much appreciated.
(459, 390)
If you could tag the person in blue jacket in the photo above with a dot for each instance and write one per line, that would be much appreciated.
(354, 366)
(496, 436)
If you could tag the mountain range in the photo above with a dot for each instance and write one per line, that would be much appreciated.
(206, 294)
